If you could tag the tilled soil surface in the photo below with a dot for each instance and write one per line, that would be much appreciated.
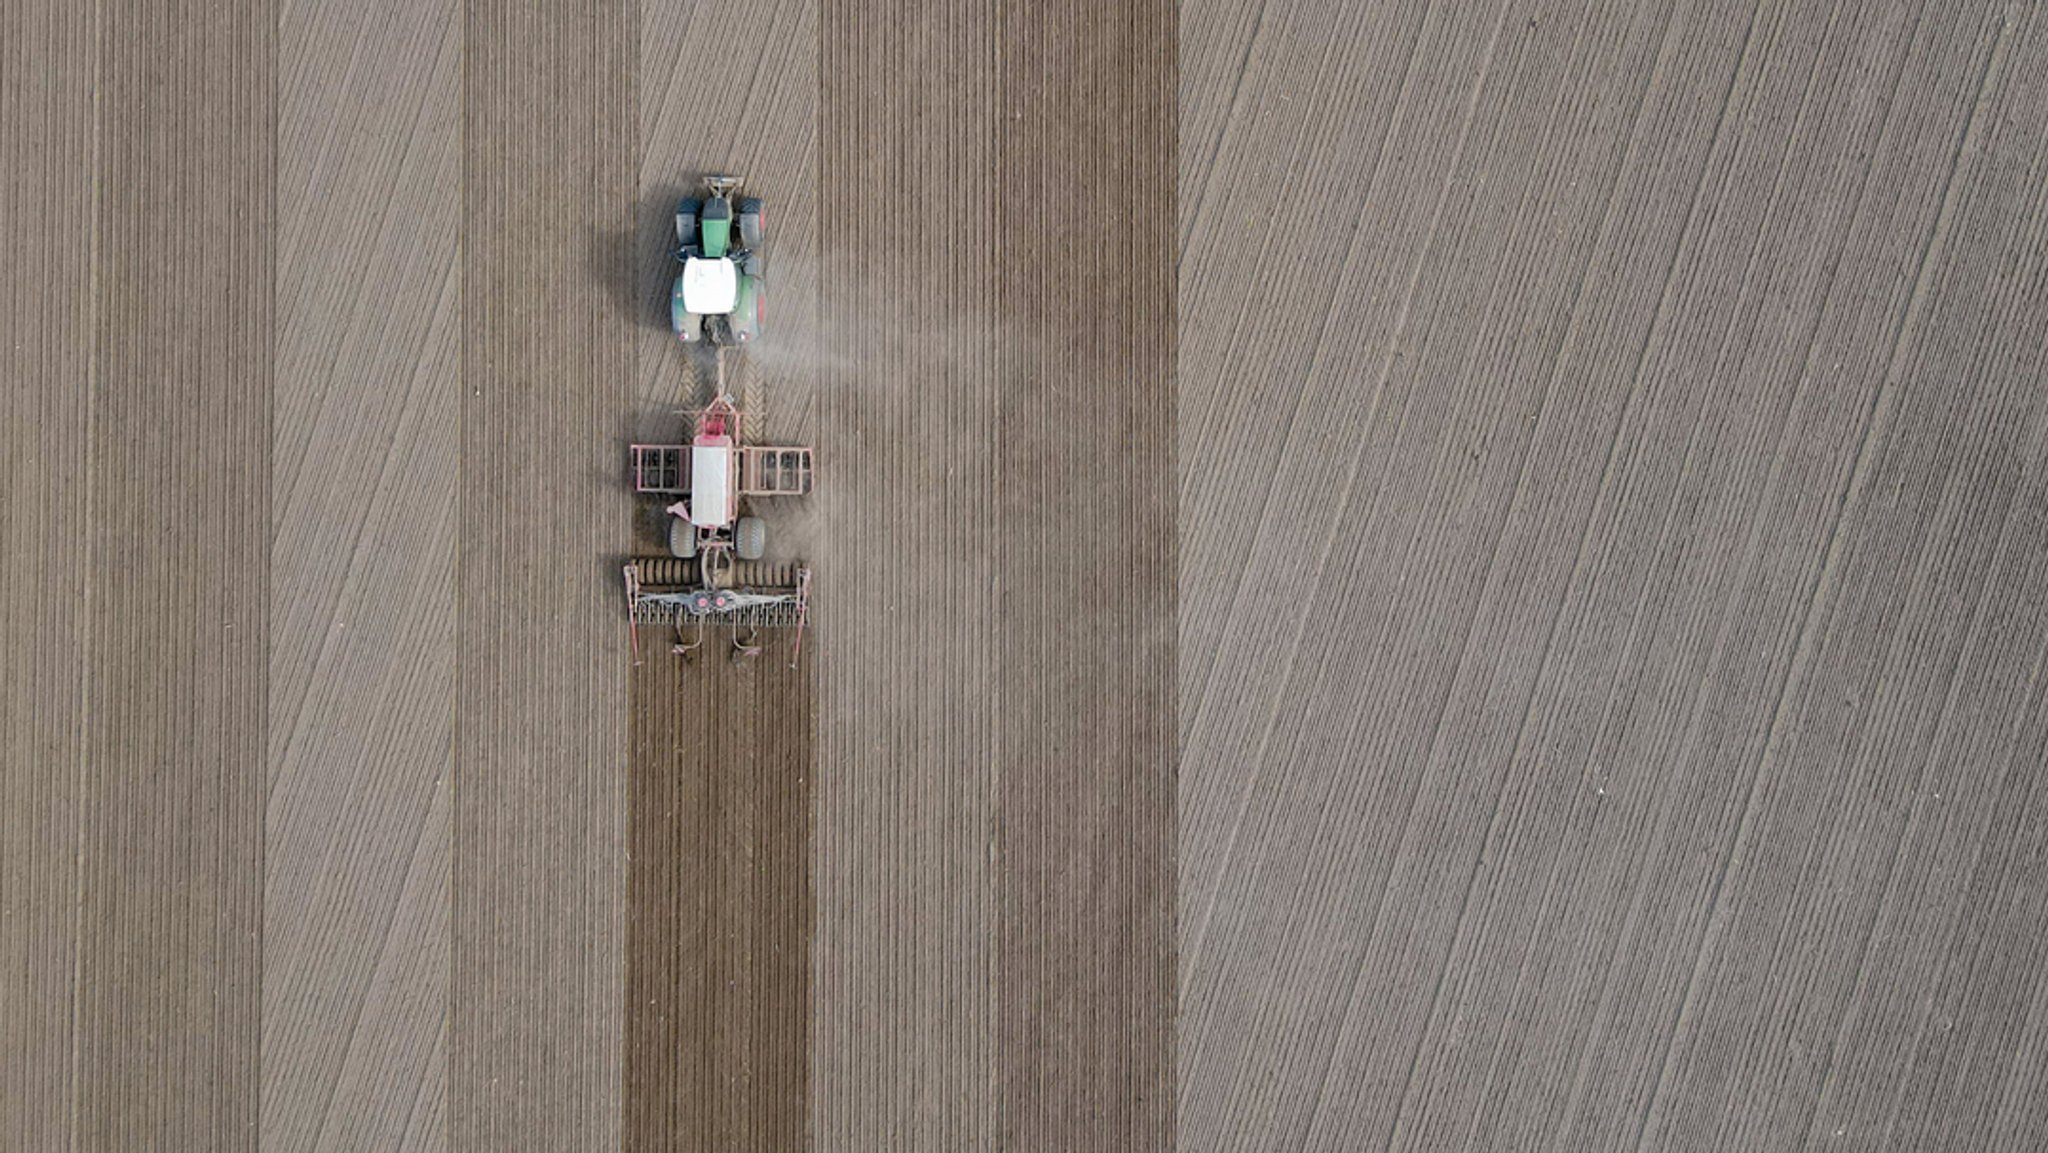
(538, 884)
(1473, 582)
(1637, 741)
(995, 831)
(366, 481)
(140, 225)
(719, 916)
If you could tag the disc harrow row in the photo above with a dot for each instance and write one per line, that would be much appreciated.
(664, 573)
(743, 597)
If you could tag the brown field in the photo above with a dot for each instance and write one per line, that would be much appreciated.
(1390, 576)
(1645, 751)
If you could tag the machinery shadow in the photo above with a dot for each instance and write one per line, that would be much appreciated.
(636, 263)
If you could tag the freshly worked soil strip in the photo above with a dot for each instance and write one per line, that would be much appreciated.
(48, 332)
(996, 927)
(1086, 674)
(536, 975)
(719, 908)
(172, 773)
(903, 1050)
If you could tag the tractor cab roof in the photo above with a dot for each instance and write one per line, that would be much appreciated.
(711, 285)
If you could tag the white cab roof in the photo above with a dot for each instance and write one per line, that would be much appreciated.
(710, 287)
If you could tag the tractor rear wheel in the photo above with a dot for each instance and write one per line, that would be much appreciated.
(682, 538)
(744, 322)
(750, 538)
(753, 221)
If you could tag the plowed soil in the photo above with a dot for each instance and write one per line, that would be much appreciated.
(719, 915)
(1388, 576)
(995, 830)
(1636, 743)
(140, 381)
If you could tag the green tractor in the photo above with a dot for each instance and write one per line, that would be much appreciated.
(719, 296)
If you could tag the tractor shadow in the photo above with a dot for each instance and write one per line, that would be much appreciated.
(636, 264)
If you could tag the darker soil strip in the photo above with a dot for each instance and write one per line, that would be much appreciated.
(1085, 247)
(549, 118)
(47, 328)
(719, 903)
(175, 760)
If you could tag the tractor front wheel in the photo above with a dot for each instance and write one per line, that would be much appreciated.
(753, 221)
(686, 222)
